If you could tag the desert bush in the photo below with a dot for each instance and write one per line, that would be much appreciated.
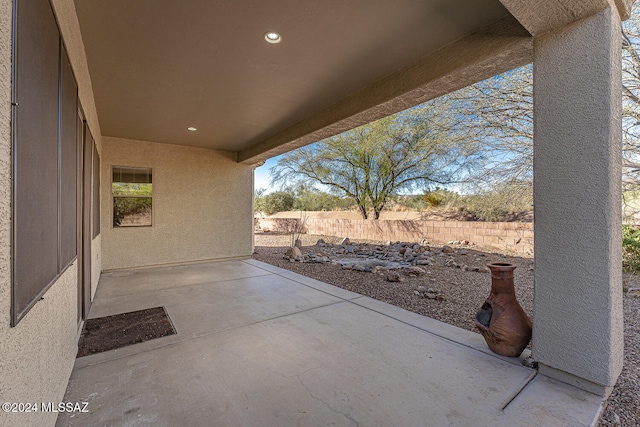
(289, 225)
(316, 200)
(278, 201)
(301, 199)
(499, 202)
(413, 202)
(294, 227)
(433, 199)
(630, 249)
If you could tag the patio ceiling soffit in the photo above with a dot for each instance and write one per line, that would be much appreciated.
(499, 47)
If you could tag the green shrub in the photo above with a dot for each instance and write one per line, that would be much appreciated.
(433, 199)
(317, 200)
(499, 202)
(630, 249)
(125, 206)
(278, 201)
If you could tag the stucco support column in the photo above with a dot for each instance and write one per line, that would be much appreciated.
(577, 335)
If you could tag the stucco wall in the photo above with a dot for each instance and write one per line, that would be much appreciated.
(578, 331)
(37, 356)
(201, 206)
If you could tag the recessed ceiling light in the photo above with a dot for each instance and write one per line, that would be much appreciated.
(192, 129)
(272, 37)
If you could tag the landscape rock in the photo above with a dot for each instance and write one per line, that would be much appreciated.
(447, 250)
(435, 294)
(298, 243)
(413, 271)
(293, 253)
(346, 241)
(393, 276)
(321, 242)
(529, 362)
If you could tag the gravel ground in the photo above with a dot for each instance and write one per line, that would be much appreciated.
(465, 292)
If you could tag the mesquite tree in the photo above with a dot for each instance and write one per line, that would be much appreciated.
(370, 163)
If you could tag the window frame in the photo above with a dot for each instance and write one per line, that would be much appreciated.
(114, 196)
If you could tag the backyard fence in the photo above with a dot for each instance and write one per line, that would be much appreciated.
(509, 236)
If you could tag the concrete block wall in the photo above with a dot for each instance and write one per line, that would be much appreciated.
(511, 236)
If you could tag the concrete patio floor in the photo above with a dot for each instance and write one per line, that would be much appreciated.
(257, 345)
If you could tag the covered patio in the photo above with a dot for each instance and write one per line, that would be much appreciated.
(259, 345)
(186, 97)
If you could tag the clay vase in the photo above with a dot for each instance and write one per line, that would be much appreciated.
(505, 326)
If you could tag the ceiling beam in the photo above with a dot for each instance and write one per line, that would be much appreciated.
(624, 8)
(541, 16)
(497, 48)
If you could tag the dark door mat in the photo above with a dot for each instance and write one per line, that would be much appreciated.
(120, 330)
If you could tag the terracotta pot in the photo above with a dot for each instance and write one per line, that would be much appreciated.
(505, 326)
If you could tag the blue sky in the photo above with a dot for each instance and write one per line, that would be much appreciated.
(261, 175)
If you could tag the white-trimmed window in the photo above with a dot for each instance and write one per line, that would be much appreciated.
(132, 193)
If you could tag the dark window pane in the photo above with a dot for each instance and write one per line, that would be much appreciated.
(35, 238)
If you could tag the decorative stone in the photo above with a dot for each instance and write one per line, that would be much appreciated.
(345, 242)
(393, 276)
(413, 271)
(293, 253)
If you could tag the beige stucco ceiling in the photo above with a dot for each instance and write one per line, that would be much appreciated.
(160, 66)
